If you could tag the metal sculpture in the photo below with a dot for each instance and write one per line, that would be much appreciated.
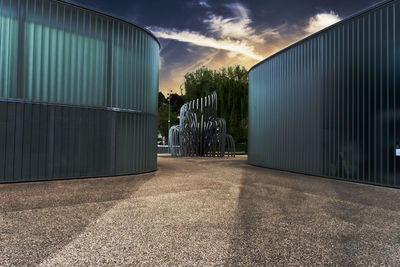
(200, 132)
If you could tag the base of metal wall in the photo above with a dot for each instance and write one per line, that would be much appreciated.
(47, 142)
(361, 181)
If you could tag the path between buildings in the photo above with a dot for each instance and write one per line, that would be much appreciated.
(203, 211)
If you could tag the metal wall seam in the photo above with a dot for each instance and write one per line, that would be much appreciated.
(84, 77)
(339, 87)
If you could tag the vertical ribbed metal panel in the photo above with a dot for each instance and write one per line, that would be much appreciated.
(329, 105)
(65, 52)
(8, 48)
(47, 141)
(78, 93)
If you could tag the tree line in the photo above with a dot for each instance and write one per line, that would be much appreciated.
(231, 85)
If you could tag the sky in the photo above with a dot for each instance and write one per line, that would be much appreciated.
(218, 33)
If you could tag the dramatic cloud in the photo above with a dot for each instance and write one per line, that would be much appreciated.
(276, 32)
(172, 77)
(232, 34)
(231, 27)
(204, 4)
(241, 47)
(320, 21)
(230, 39)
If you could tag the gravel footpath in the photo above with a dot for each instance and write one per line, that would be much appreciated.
(204, 212)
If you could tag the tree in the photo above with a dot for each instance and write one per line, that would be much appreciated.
(163, 120)
(176, 103)
(161, 99)
(231, 85)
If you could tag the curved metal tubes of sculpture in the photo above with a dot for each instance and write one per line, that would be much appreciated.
(174, 139)
(200, 132)
(231, 145)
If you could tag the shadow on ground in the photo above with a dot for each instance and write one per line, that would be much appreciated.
(291, 219)
(200, 211)
(39, 218)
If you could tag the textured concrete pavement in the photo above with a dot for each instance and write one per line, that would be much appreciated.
(200, 212)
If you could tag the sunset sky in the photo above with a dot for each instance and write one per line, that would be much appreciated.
(217, 33)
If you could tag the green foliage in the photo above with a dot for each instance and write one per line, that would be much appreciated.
(161, 99)
(176, 103)
(231, 85)
(163, 119)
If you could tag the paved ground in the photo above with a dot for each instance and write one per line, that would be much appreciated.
(200, 212)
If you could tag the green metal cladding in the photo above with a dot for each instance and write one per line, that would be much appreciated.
(78, 93)
(329, 105)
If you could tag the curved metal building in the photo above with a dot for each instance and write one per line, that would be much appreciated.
(329, 105)
(78, 93)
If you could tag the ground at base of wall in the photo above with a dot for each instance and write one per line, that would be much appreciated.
(200, 211)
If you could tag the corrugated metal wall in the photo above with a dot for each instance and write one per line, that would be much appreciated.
(330, 104)
(46, 141)
(84, 82)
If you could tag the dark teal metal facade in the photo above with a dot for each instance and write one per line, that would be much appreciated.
(329, 105)
(78, 93)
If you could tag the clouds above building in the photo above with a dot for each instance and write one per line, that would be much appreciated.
(219, 33)
(232, 38)
(320, 21)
